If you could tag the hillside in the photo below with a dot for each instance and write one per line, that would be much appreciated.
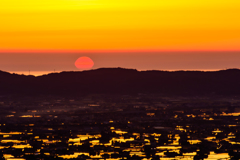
(124, 81)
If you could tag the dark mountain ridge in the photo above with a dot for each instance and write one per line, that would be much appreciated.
(124, 81)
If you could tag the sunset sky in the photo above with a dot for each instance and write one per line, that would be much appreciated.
(43, 35)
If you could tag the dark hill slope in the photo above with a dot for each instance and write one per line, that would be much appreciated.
(124, 81)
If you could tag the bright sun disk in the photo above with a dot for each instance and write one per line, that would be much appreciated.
(84, 63)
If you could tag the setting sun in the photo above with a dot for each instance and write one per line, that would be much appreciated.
(84, 63)
(141, 34)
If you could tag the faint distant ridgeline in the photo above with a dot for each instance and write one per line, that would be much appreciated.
(124, 81)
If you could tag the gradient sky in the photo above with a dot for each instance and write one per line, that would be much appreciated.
(119, 28)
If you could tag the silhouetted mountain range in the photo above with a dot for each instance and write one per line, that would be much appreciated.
(124, 81)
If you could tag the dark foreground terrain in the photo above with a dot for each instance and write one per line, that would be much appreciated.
(119, 127)
(123, 81)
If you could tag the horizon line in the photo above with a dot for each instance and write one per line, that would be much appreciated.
(47, 72)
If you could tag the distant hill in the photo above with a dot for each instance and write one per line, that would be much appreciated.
(124, 81)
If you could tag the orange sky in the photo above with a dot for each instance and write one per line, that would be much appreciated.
(119, 25)
(99, 26)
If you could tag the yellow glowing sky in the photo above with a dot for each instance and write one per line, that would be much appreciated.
(107, 25)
